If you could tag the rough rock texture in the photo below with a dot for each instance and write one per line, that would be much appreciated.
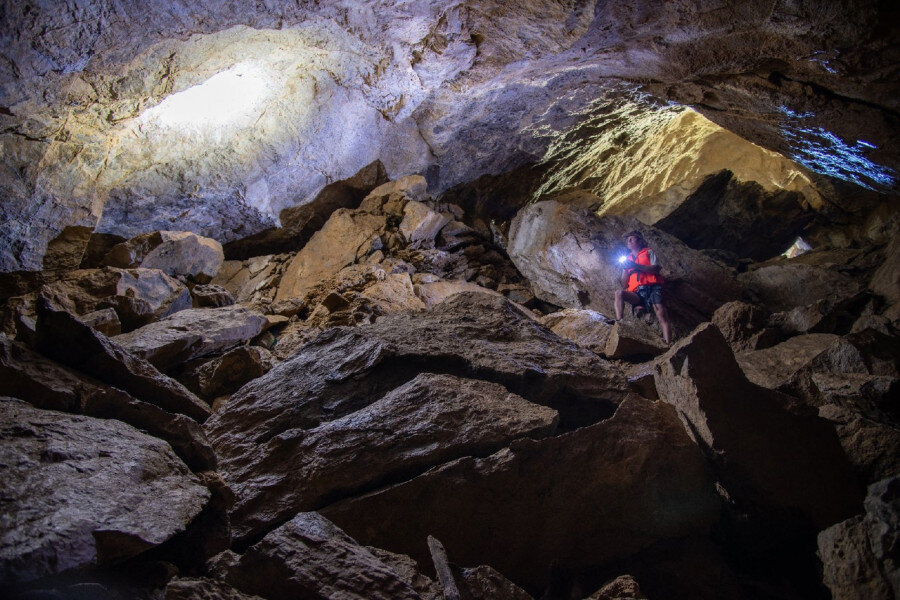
(570, 256)
(486, 583)
(314, 559)
(791, 284)
(587, 328)
(79, 492)
(860, 554)
(745, 326)
(763, 453)
(172, 252)
(595, 494)
(428, 421)
(139, 296)
(872, 445)
(192, 333)
(774, 366)
(435, 292)
(420, 224)
(210, 296)
(203, 589)
(472, 335)
(620, 588)
(633, 338)
(48, 385)
(347, 236)
(225, 374)
(64, 338)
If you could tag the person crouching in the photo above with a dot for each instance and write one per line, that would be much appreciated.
(642, 282)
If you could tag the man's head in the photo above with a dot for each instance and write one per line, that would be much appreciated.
(634, 240)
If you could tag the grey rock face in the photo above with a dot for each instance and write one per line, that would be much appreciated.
(192, 333)
(773, 367)
(205, 589)
(66, 339)
(860, 554)
(790, 284)
(428, 421)
(172, 252)
(763, 453)
(314, 559)
(596, 494)
(48, 385)
(79, 492)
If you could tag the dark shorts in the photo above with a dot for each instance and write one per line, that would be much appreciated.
(650, 294)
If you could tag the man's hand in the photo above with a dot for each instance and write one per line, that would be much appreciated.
(629, 264)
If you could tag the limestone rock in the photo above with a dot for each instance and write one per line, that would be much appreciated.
(630, 338)
(773, 367)
(860, 554)
(587, 497)
(485, 583)
(408, 571)
(570, 255)
(587, 328)
(620, 588)
(225, 374)
(252, 280)
(346, 237)
(211, 296)
(80, 492)
(477, 336)
(173, 252)
(48, 385)
(420, 224)
(428, 421)
(186, 588)
(139, 296)
(745, 326)
(787, 284)
(192, 333)
(66, 251)
(763, 453)
(315, 559)
(434, 292)
(105, 320)
(886, 280)
(411, 187)
(62, 337)
(394, 293)
(872, 446)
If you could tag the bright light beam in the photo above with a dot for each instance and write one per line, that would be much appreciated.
(231, 98)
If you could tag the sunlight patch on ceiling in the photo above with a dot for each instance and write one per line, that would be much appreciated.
(230, 99)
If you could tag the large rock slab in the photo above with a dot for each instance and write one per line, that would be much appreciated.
(745, 326)
(571, 257)
(192, 333)
(173, 252)
(633, 338)
(346, 237)
(872, 445)
(478, 336)
(581, 499)
(64, 338)
(435, 292)
(139, 296)
(860, 554)
(773, 367)
(309, 557)
(763, 453)
(225, 374)
(423, 423)
(789, 283)
(81, 492)
(48, 385)
(587, 328)
(421, 224)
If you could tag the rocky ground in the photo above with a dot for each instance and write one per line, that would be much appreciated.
(393, 397)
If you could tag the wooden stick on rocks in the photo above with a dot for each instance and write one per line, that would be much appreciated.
(442, 566)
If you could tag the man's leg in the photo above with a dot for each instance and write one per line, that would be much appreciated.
(621, 297)
(663, 316)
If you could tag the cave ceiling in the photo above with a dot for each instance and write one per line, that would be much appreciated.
(213, 116)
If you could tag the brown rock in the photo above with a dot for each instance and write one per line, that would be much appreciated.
(773, 367)
(762, 453)
(173, 252)
(408, 571)
(433, 293)
(66, 251)
(314, 559)
(188, 588)
(83, 492)
(587, 328)
(789, 283)
(859, 554)
(485, 583)
(225, 374)
(872, 446)
(395, 293)
(211, 296)
(745, 326)
(48, 385)
(420, 224)
(584, 498)
(192, 333)
(62, 337)
(620, 588)
(633, 338)
(428, 421)
(105, 321)
(346, 237)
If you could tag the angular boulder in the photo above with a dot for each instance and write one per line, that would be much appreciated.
(309, 557)
(486, 583)
(571, 257)
(773, 367)
(173, 252)
(789, 283)
(81, 492)
(194, 588)
(48, 385)
(763, 453)
(139, 296)
(632, 338)
(64, 338)
(395, 293)
(421, 224)
(210, 295)
(872, 445)
(346, 237)
(587, 328)
(192, 333)
(745, 326)
(621, 588)
(225, 374)
(860, 554)
(581, 499)
(477, 336)
(435, 292)
(423, 423)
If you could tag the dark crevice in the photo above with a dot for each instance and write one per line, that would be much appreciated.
(777, 77)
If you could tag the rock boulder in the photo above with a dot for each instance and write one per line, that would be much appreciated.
(173, 252)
